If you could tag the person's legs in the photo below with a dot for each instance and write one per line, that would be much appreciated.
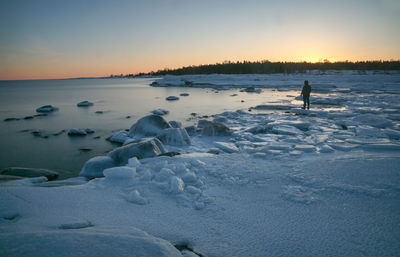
(304, 101)
(308, 102)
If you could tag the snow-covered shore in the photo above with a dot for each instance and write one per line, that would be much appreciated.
(283, 182)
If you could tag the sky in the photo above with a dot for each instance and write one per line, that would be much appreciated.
(44, 39)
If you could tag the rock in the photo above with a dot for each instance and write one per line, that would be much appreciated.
(175, 124)
(170, 154)
(172, 98)
(28, 117)
(84, 104)
(99, 112)
(41, 115)
(85, 149)
(95, 166)
(184, 94)
(118, 137)
(46, 108)
(29, 172)
(160, 112)
(11, 119)
(227, 147)
(215, 129)
(191, 130)
(150, 125)
(76, 132)
(145, 148)
(174, 136)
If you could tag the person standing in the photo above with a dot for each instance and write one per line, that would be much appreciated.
(305, 92)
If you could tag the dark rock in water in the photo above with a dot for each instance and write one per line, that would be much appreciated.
(37, 133)
(215, 129)
(150, 125)
(172, 98)
(175, 124)
(99, 112)
(85, 149)
(97, 137)
(174, 136)
(242, 101)
(59, 133)
(193, 114)
(46, 108)
(170, 154)
(84, 104)
(9, 177)
(160, 112)
(41, 115)
(191, 130)
(128, 117)
(184, 94)
(11, 119)
(76, 132)
(145, 148)
(94, 167)
(28, 117)
(29, 172)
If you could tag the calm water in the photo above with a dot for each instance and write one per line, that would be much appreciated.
(117, 98)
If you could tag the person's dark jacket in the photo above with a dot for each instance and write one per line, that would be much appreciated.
(306, 90)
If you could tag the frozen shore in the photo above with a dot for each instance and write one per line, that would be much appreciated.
(282, 182)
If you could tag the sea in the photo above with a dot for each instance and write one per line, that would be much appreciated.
(42, 142)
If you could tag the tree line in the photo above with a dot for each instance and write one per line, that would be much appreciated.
(267, 67)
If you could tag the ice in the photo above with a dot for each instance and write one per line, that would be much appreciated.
(84, 104)
(95, 166)
(174, 136)
(150, 125)
(136, 197)
(160, 112)
(300, 176)
(133, 162)
(286, 130)
(227, 147)
(176, 185)
(373, 120)
(119, 137)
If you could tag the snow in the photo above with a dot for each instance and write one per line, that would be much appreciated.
(323, 182)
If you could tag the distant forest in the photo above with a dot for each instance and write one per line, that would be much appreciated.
(267, 67)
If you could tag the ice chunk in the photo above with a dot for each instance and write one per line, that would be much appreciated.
(136, 197)
(47, 108)
(227, 147)
(164, 175)
(84, 104)
(174, 136)
(373, 120)
(172, 98)
(94, 167)
(150, 125)
(326, 149)
(133, 162)
(160, 112)
(176, 185)
(189, 177)
(144, 148)
(76, 132)
(305, 148)
(286, 130)
(120, 173)
(119, 137)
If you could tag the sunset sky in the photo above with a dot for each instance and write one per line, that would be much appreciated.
(60, 39)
